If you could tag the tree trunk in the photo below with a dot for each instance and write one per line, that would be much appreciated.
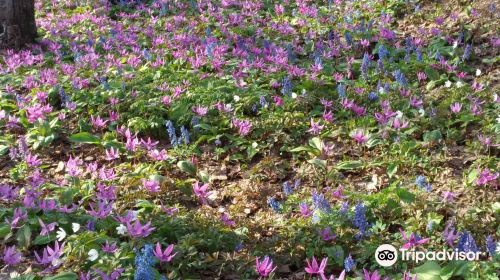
(17, 23)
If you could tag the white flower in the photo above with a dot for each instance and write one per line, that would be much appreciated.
(421, 111)
(236, 98)
(495, 97)
(381, 90)
(455, 44)
(255, 145)
(447, 84)
(121, 229)
(460, 84)
(14, 274)
(498, 119)
(294, 95)
(75, 227)
(498, 248)
(61, 234)
(399, 114)
(93, 255)
(478, 72)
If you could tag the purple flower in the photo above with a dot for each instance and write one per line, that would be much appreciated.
(226, 220)
(19, 215)
(109, 248)
(407, 276)
(201, 192)
(305, 211)
(326, 234)
(450, 235)
(151, 185)
(138, 230)
(164, 256)
(112, 154)
(265, 267)
(313, 267)
(341, 276)
(360, 136)
(456, 107)
(315, 127)
(371, 276)
(73, 167)
(51, 255)
(11, 256)
(412, 241)
(486, 177)
(244, 126)
(46, 229)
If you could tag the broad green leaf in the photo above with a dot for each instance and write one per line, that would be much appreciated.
(316, 143)
(318, 162)
(44, 239)
(23, 236)
(392, 169)
(84, 137)
(432, 136)
(4, 230)
(349, 165)
(187, 167)
(430, 270)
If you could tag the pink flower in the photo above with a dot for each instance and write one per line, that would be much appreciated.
(313, 268)
(341, 276)
(244, 126)
(371, 276)
(315, 127)
(487, 178)
(201, 192)
(112, 154)
(265, 267)
(138, 230)
(305, 211)
(360, 136)
(456, 107)
(448, 196)
(151, 185)
(164, 256)
(158, 155)
(412, 241)
(200, 110)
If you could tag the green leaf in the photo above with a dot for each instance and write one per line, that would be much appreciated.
(3, 149)
(301, 149)
(430, 270)
(4, 230)
(187, 167)
(472, 176)
(316, 143)
(318, 162)
(454, 268)
(405, 195)
(430, 85)
(392, 169)
(349, 165)
(431, 73)
(84, 137)
(63, 276)
(44, 239)
(23, 236)
(433, 136)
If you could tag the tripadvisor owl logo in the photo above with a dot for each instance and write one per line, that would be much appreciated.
(386, 255)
